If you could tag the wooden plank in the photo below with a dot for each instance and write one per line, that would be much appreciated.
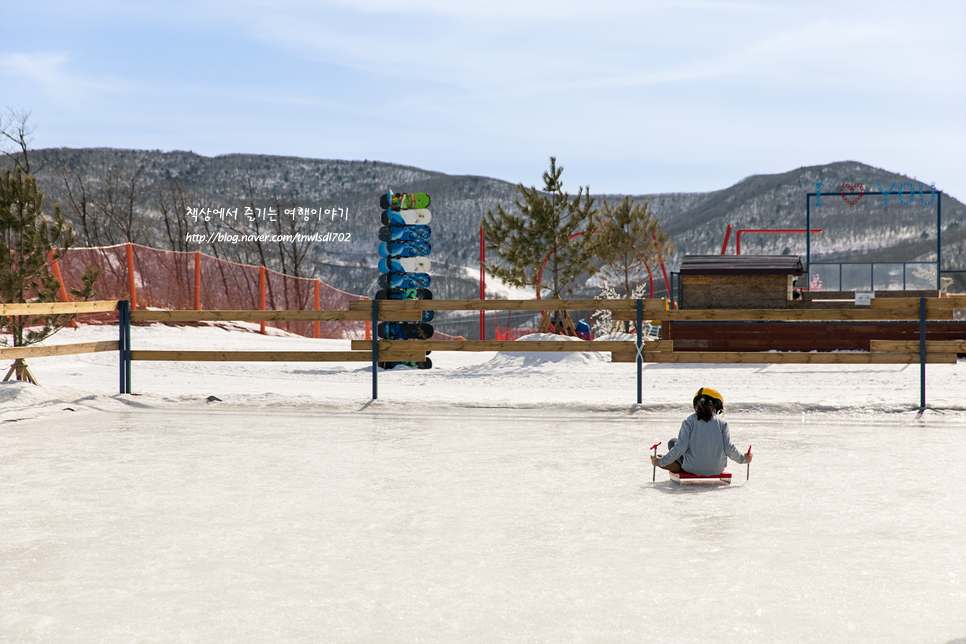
(850, 295)
(273, 316)
(933, 304)
(276, 356)
(510, 305)
(57, 308)
(726, 357)
(400, 356)
(788, 315)
(823, 304)
(58, 350)
(491, 345)
(808, 336)
(932, 346)
(623, 356)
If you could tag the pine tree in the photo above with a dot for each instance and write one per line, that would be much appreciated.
(629, 240)
(28, 241)
(544, 237)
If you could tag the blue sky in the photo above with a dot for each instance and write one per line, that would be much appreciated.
(631, 97)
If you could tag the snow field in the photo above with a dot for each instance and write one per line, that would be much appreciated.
(496, 497)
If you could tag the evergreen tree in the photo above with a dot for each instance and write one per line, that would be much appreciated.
(629, 240)
(544, 231)
(28, 241)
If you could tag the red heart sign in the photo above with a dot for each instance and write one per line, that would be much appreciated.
(853, 187)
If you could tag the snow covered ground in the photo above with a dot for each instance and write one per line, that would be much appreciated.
(496, 497)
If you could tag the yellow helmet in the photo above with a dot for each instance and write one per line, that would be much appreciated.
(716, 399)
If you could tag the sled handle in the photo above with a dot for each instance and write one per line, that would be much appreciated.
(748, 470)
(654, 467)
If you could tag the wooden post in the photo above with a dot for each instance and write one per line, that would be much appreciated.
(261, 293)
(22, 372)
(197, 280)
(318, 324)
(131, 282)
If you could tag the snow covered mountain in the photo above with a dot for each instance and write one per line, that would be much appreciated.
(161, 199)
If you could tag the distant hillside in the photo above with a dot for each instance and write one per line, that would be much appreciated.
(114, 196)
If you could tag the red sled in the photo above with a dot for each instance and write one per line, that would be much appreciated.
(686, 478)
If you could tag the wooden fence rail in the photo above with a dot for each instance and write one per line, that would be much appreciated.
(363, 315)
(886, 309)
(58, 308)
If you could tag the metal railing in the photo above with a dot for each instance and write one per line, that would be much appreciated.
(871, 276)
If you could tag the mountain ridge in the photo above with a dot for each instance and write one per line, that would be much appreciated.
(113, 196)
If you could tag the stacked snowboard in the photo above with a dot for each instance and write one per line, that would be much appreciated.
(405, 244)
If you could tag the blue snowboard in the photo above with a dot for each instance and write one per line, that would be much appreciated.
(405, 249)
(405, 330)
(405, 280)
(405, 233)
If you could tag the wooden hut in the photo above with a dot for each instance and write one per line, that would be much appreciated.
(738, 281)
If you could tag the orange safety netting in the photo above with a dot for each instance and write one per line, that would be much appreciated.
(166, 280)
(508, 332)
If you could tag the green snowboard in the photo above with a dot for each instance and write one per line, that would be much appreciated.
(404, 200)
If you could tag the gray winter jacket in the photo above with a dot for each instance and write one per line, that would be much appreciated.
(704, 445)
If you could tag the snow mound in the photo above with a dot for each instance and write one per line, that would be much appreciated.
(21, 400)
(529, 359)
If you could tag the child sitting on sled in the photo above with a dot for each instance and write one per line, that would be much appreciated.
(704, 443)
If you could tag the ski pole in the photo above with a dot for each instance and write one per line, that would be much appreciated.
(654, 468)
(748, 471)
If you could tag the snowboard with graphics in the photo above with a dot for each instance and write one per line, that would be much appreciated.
(404, 294)
(416, 232)
(405, 330)
(404, 201)
(419, 217)
(426, 364)
(405, 281)
(404, 265)
(405, 249)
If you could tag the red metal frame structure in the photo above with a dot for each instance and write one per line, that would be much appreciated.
(763, 230)
(650, 279)
(483, 284)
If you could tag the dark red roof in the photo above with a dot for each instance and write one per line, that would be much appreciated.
(741, 265)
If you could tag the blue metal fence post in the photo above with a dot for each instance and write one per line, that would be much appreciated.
(123, 310)
(939, 238)
(922, 353)
(808, 235)
(640, 348)
(127, 349)
(375, 347)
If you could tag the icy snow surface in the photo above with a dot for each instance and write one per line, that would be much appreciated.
(496, 497)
